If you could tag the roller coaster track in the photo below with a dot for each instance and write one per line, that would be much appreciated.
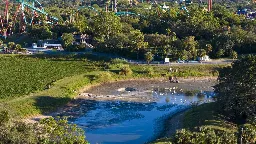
(89, 7)
(125, 13)
(120, 13)
(31, 5)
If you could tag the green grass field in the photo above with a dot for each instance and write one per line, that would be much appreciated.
(21, 75)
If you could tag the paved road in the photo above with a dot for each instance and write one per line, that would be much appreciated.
(185, 63)
(219, 61)
(139, 62)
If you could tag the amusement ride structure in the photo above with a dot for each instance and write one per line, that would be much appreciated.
(26, 13)
(29, 12)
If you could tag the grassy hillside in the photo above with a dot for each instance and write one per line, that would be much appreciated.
(202, 120)
(21, 75)
(207, 115)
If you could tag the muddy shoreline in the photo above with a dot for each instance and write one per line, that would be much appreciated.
(143, 88)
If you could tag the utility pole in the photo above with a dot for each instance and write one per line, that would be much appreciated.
(112, 6)
(6, 12)
(241, 138)
(115, 5)
(209, 5)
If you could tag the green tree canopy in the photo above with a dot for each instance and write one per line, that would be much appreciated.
(236, 91)
(149, 57)
(67, 39)
(11, 45)
(40, 32)
(190, 45)
(105, 25)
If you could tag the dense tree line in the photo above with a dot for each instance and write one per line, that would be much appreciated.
(236, 89)
(172, 33)
(235, 102)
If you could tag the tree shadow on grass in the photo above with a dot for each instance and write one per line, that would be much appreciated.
(91, 77)
(139, 71)
(115, 71)
(68, 57)
(48, 104)
(207, 115)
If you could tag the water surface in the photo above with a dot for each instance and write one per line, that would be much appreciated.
(116, 122)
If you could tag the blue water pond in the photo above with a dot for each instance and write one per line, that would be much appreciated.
(116, 122)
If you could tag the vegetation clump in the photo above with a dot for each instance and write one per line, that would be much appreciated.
(118, 61)
(149, 57)
(48, 130)
(236, 91)
(191, 92)
(204, 135)
(148, 70)
(125, 70)
(103, 77)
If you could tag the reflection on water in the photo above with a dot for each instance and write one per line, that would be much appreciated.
(116, 122)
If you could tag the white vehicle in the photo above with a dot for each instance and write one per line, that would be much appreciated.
(180, 61)
(28, 52)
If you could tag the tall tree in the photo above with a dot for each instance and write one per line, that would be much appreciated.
(236, 91)
(40, 32)
(67, 40)
(149, 57)
(190, 45)
(80, 23)
(105, 25)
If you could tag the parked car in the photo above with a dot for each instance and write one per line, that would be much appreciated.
(28, 52)
(180, 61)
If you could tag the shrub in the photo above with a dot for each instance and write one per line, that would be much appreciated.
(118, 61)
(200, 95)
(148, 70)
(125, 70)
(248, 133)
(103, 77)
(212, 136)
(215, 72)
(60, 131)
(149, 57)
(203, 136)
(49, 130)
(115, 66)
